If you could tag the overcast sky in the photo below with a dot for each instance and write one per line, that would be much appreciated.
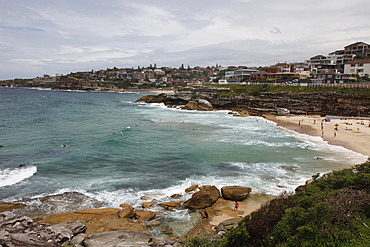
(61, 36)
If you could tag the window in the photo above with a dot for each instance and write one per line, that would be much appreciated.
(353, 71)
(353, 65)
(330, 76)
(360, 70)
(361, 65)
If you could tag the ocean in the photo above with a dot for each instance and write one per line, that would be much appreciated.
(118, 150)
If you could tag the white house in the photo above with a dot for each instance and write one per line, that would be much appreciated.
(359, 67)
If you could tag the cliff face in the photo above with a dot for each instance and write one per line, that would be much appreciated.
(329, 103)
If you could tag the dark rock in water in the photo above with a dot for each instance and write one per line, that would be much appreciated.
(20, 231)
(203, 198)
(118, 239)
(167, 230)
(191, 188)
(176, 196)
(8, 206)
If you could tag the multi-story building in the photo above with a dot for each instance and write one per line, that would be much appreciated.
(359, 67)
(358, 48)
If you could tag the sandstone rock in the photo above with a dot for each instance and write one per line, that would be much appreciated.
(126, 212)
(8, 206)
(147, 204)
(200, 105)
(165, 243)
(191, 188)
(153, 223)
(167, 230)
(95, 223)
(203, 198)
(146, 198)
(118, 239)
(176, 196)
(101, 211)
(235, 193)
(170, 205)
(144, 216)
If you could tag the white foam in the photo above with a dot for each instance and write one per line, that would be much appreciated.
(13, 176)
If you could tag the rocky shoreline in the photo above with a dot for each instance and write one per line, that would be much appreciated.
(212, 98)
(123, 226)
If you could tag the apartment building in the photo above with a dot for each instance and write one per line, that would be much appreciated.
(359, 67)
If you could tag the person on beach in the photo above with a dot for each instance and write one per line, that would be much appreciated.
(236, 206)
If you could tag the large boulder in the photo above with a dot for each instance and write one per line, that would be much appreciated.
(118, 239)
(203, 198)
(144, 216)
(200, 105)
(235, 193)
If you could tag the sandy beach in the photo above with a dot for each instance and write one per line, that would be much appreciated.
(351, 133)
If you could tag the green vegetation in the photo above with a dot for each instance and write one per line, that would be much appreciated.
(333, 210)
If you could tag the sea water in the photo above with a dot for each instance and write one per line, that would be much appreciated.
(118, 150)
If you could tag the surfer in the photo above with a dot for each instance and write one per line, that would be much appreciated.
(21, 165)
(318, 158)
(3, 146)
(64, 146)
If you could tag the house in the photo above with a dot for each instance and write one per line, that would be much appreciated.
(358, 48)
(359, 67)
(328, 76)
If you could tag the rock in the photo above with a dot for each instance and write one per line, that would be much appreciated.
(20, 231)
(309, 181)
(153, 223)
(167, 230)
(147, 204)
(170, 205)
(146, 198)
(221, 227)
(191, 188)
(101, 211)
(95, 223)
(78, 240)
(235, 193)
(200, 105)
(176, 196)
(300, 188)
(203, 198)
(127, 211)
(76, 227)
(118, 239)
(164, 243)
(144, 216)
(230, 223)
(8, 206)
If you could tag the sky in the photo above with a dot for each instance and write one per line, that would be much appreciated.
(40, 37)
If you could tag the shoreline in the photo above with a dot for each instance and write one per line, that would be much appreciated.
(349, 132)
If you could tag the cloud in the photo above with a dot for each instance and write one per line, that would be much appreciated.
(38, 37)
